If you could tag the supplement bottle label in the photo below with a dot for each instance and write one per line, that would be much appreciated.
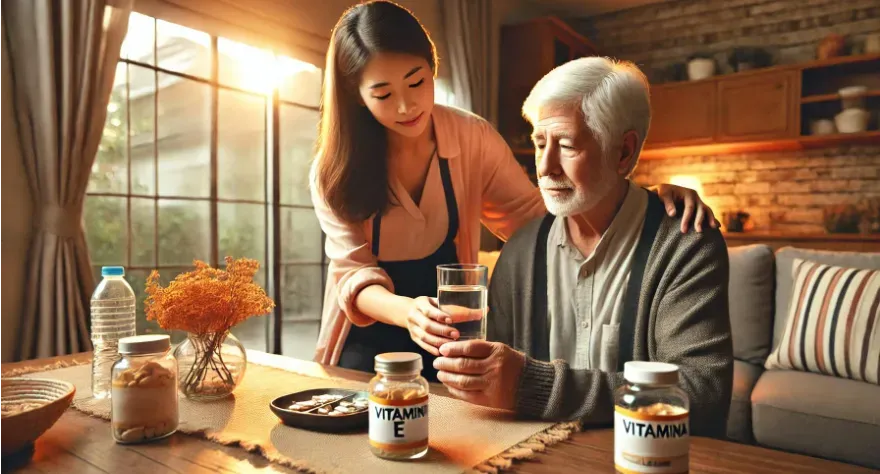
(398, 425)
(646, 442)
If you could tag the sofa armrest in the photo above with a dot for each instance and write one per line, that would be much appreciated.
(739, 419)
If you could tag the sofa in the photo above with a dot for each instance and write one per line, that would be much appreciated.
(802, 412)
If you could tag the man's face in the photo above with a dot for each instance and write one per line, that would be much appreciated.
(573, 173)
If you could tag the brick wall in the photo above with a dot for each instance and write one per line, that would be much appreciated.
(658, 35)
(782, 191)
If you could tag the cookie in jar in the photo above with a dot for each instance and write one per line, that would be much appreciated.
(144, 390)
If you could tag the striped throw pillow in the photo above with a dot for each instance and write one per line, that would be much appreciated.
(833, 324)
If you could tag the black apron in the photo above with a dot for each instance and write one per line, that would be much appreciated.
(411, 278)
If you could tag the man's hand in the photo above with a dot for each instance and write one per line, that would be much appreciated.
(481, 372)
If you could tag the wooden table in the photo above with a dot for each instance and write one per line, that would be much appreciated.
(78, 443)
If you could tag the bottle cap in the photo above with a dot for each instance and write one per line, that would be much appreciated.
(112, 271)
(147, 344)
(399, 363)
(650, 373)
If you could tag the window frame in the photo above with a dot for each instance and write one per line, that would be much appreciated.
(274, 265)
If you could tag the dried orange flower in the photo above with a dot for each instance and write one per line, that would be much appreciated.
(208, 300)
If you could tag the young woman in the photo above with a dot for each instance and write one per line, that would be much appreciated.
(401, 185)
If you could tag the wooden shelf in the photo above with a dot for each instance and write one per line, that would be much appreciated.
(833, 97)
(820, 63)
(806, 66)
(800, 143)
(774, 236)
(819, 141)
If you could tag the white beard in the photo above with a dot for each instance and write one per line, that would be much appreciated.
(578, 201)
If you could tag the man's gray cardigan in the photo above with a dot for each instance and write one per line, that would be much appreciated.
(675, 310)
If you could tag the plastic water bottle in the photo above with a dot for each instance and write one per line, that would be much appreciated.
(113, 317)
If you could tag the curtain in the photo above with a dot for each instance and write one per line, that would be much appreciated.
(473, 37)
(62, 56)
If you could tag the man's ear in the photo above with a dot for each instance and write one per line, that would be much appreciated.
(627, 156)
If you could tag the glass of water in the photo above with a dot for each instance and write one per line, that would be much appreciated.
(462, 294)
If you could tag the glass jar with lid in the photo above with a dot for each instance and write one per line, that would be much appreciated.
(399, 407)
(143, 390)
(651, 427)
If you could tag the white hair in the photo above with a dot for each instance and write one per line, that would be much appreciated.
(613, 96)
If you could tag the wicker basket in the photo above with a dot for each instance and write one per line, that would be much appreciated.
(25, 427)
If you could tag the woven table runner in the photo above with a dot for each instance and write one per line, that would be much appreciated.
(463, 437)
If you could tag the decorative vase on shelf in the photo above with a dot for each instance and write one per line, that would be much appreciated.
(210, 365)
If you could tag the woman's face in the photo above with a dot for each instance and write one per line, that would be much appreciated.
(399, 91)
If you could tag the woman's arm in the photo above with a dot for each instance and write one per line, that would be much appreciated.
(365, 292)
(353, 265)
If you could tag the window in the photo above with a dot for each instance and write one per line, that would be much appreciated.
(205, 153)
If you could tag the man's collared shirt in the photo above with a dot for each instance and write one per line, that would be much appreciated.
(585, 294)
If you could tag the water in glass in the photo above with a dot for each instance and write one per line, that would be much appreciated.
(466, 305)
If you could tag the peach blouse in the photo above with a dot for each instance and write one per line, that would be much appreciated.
(490, 187)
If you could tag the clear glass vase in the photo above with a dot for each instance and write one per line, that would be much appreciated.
(211, 365)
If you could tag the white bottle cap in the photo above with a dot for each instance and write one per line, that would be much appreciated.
(650, 373)
(147, 344)
(398, 363)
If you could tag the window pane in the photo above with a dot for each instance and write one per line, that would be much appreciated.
(299, 338)
(184, 232)
(138, 281)
(184, 137)
(143, 238)
(300, 236)
(252, 332)
(301, 292)
(241, 229)
(298, 131)
(182, 49)
(299, 81)
(106, 229)
(246, 67)
(241, 167)
(138, 44)
(142, 113)
(109, 171)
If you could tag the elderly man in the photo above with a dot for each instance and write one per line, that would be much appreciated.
(606, 278)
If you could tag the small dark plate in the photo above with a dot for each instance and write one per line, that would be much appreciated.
(317, 422)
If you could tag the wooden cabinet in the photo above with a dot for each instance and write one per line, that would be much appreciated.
(717, 113)
(682, 114)
(528, 52)
(757, 107)
(761, 110)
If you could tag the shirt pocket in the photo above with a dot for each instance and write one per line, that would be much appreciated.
(610, 347)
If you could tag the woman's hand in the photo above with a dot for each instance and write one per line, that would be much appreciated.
(428, 326)
(671, 194)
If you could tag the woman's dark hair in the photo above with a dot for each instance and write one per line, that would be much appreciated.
(352, 157)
